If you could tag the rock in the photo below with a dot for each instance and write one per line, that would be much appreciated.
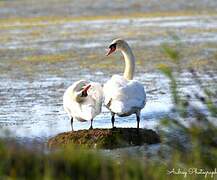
(105, 138)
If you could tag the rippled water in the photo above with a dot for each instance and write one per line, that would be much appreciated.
(34, 109)
(31, 92)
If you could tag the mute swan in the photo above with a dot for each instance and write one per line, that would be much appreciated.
(83, 101)
(124, 96)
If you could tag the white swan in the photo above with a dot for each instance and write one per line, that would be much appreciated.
(83, 101)
(124, 96)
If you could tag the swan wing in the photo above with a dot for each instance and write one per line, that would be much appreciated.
(123, 96)
(72, 107)
(112, 87)
(87, 109)
(95, 94)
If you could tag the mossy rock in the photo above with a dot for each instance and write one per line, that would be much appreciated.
(105, 138)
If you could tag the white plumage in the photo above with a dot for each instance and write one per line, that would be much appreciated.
(123, 95)
(83, 107)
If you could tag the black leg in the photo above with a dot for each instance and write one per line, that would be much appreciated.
(91, 124)
(113, 120)
(72, 123)
(138, 120)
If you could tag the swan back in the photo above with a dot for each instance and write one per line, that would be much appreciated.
(96, 93)
(89, 107)
(123, 96)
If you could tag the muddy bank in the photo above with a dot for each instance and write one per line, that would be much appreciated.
(105, 138)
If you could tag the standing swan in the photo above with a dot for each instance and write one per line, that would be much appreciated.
(124, 96)
(83, 101)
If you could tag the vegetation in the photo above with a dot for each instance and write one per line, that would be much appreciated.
(47, 58)
(190, 138)
(37, 41)
(105, 138)
(47, 20)
(197, 146)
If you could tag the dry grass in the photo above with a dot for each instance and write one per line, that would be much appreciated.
(48, 58)
(48, 20)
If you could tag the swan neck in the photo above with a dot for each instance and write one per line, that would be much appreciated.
(77, 97)
(129, 63)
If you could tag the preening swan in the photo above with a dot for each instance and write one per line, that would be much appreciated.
(83, 101)
(124, 96)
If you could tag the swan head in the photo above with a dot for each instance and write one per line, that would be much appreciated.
(80, 90)
(84, 90)
(117, 44)
(82, 94)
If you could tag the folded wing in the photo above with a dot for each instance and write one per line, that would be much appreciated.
(87, 109)
(122, 96)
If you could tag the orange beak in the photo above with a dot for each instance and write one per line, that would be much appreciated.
(111, 50)
(86, 88)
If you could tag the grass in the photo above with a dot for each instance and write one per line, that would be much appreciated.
(79, 163)
(32, 66)
(105, 138)
(5, 39)
(48, 58)
(191, 148)
(48, 20)
(73, 162)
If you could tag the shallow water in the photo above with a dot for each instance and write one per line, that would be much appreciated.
(34, 109)
(32, 88)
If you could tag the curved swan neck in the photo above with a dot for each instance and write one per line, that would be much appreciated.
(76, 95)
(129, 62)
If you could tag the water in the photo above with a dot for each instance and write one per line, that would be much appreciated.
(32, 82)
(34, 109)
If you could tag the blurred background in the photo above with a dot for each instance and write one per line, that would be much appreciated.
(47, 45)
